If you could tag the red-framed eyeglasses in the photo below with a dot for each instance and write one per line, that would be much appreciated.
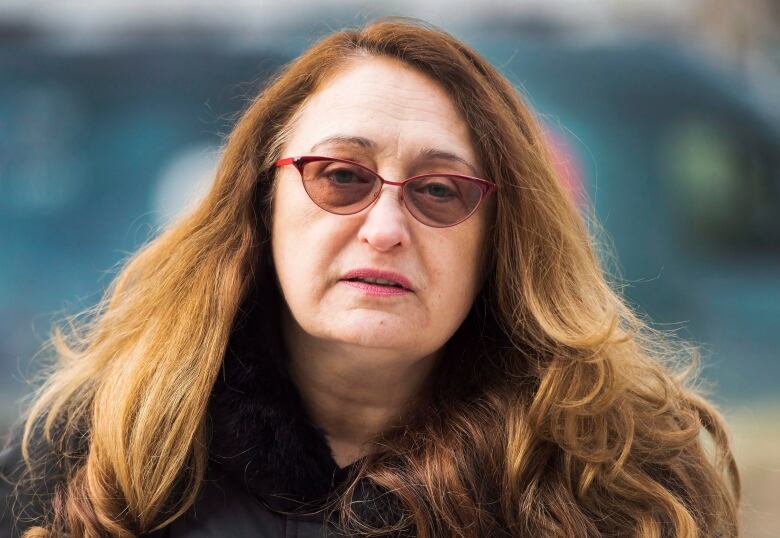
(345, 187)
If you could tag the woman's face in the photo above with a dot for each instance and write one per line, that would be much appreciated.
(398, 113)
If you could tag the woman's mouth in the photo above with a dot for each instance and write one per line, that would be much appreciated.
(378, 282)
(376, 286)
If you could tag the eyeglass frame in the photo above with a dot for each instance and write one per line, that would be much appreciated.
(486, 187)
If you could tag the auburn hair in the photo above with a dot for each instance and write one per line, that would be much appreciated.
(557, 410)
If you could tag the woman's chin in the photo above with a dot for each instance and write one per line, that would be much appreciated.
(380, 330)
(376, 338)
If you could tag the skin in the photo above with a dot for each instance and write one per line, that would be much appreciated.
(359, 360)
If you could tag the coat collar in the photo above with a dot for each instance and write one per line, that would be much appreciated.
(262, 435)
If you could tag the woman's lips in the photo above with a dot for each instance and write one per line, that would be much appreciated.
(376, 290)
(371, 273)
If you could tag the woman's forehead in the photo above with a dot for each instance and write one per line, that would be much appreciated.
(384, 102)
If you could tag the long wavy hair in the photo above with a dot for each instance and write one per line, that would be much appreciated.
(560, 411)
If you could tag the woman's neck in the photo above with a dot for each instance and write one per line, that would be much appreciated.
(353, 393)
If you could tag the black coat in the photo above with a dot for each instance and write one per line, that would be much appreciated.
(269, 463)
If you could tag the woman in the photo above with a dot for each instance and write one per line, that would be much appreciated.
(386, 318)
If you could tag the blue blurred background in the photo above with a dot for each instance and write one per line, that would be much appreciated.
(666, 113)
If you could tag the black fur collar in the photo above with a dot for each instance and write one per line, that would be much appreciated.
(262, 434)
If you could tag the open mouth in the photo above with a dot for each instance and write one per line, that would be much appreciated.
(376, 282)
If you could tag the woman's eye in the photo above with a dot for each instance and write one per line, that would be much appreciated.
(437, 190)
(345, 176)
(342, 176)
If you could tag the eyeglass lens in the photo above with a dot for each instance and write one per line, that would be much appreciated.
(344, 189)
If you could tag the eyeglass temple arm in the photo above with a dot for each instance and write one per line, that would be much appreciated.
(288, 160)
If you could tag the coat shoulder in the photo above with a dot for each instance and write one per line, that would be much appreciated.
(17, 510)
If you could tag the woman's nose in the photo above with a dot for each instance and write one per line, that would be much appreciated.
(386, 223)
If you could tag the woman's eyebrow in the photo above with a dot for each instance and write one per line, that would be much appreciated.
(433, 153)
(363, 142)
(426, 153)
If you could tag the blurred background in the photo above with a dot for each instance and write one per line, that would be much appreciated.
(665, 112)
